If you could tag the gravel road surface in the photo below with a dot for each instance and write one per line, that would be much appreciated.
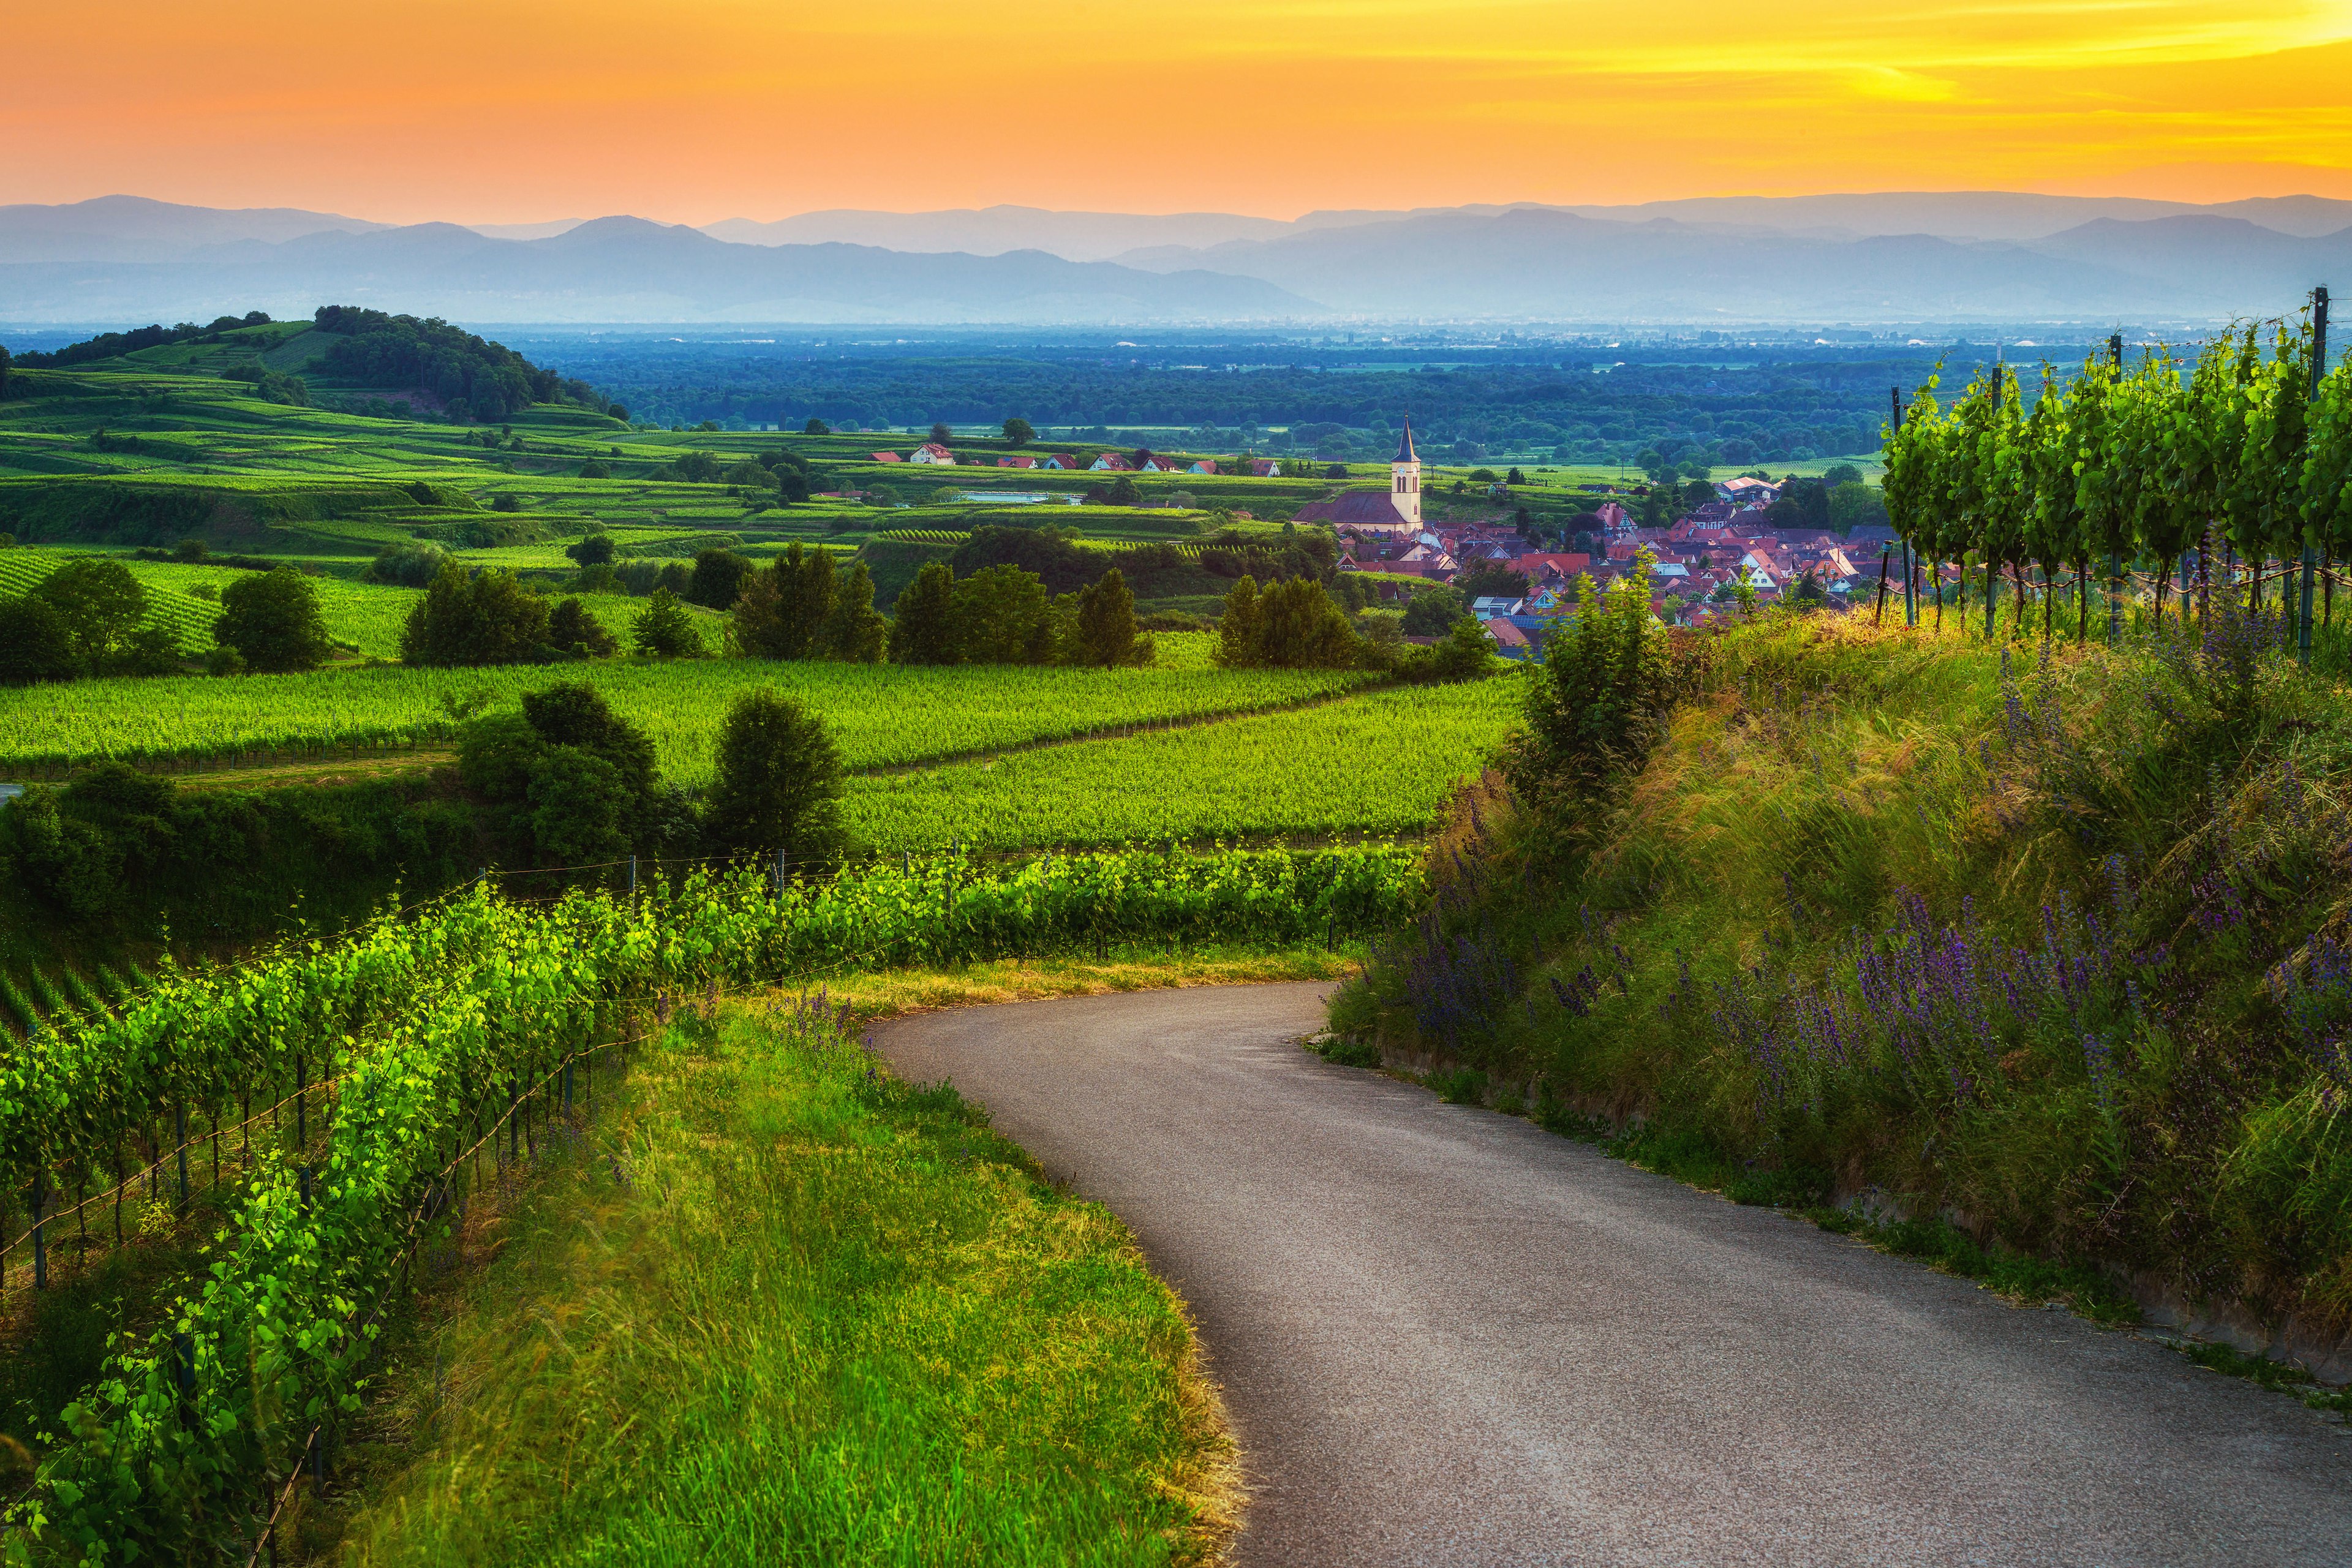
(1448, 1337)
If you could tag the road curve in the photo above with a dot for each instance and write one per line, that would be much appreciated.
(1448, 1337)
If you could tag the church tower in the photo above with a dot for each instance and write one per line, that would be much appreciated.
(1405, 479)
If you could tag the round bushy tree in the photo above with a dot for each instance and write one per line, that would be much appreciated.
(779, 781)
(272, 619)
(34, 643)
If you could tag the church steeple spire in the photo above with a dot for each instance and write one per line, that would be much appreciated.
(1404, 478)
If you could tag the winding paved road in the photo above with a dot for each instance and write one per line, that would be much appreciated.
(1448, 1337)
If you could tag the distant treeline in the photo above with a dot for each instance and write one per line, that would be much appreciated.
(1772, 411)
(473, 377)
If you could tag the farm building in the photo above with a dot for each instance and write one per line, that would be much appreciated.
(884, 457)
(1017, 462)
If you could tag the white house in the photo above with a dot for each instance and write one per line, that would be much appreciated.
(932, 452)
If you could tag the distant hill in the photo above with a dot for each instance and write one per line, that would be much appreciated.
(1863, 257)
(992, 231)
(1545, 264)
(626, 269)
(133, 228)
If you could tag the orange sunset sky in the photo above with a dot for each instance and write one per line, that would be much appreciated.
(516, 111)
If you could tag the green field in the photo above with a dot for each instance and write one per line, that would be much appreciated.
(1381, 764)
(364, 617)
(882, 716)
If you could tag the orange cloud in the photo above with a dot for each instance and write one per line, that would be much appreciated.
(514, 109)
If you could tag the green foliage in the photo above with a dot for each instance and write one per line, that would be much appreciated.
(779, 783)
(485, 617)
(474, 378)
(273, 620)
(100, 605)
(1602, 692)
(1432, 611)
(36, 644)
(1018, 433)
(786, 610)
(1293, 625)
(1001, 616)
(566, 782)
(719, 578)
(124, 852)
(571, 630)
(1464, 653)
(1107, 634)
(663, 629)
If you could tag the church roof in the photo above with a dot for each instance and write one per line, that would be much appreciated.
(1404, 446)
(1361, 509)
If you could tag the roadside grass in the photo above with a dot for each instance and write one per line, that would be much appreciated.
(887, 994)
(776, 1306)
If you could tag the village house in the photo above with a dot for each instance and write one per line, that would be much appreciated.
(1060, 461)
(932, 452)
(1017, 462)
(1205, 466)
(1111, 462)
(885, 456)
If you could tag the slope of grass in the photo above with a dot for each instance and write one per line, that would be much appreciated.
(784, 1309)
(2050, 937)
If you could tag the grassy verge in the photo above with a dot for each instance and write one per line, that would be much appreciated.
(887, 994)
(776, 1306)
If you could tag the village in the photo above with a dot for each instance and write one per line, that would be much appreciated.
(1725, 555)
(1720, 557)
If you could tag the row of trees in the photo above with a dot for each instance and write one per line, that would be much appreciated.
(565, 781)
(489, 617)
(2247, 452)
(1004, 615)
(92, 618)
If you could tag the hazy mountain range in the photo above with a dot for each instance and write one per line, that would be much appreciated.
(1882, 257)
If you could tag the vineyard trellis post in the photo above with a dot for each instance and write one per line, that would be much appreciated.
(2115, 557)
(2311, 550)
(40, 1243)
